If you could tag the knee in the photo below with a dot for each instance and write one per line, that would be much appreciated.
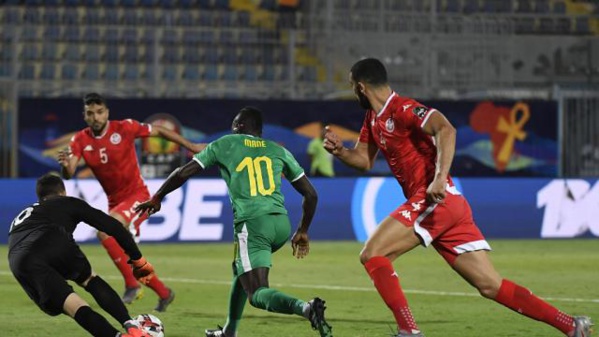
(101, 236)
(488, 289)
(365, 255)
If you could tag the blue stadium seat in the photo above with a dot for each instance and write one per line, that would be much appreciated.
(243, 19)
(269, 72)
(582, 25)
(33, 2)
(109, 3)
(284, 74)
(71, 33)
(30, 52)
(92, 53)
(49, 51)
(32, 15)
(131, 72)
(270, 5)
(52, 2)
(229, 55)
(27, 71)
(51, 16)
(52, 33)
(211, 55)
(221, 4)
(563, 26)
(91, 72)
(191, 54)
(470, 6)
(5, 69)
(185, 18)
(48, 71)
(69, 71)
(72, 52)
(205, 3)
(130, 17)
(132, 3)
(167, 3)
(77, 3)
(207, 36)
(225, 19)
(191, 72)
(148, 55)
(190, 36)
(251, 73)
(171, 54)
(524, 6)
(170, 36)
(93, 17)
(559, 7)
(147, 36)
(247, 36)
(205, 18)
(111, 15)
(267, 55)
(171, 72)
(12, 15)
(91, 34)
(112, 53)
(29, 33)
(6, 54)
(112, 72)
(131, 53)
(70, 16)
(542, 6)
(248, 55)
(546, 26)
(231, 73)
(187, 3)
(150, 18)
(227, 36)
(129, 36)
(211, 72)
(111, 35)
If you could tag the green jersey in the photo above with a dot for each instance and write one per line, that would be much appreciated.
(252, 168)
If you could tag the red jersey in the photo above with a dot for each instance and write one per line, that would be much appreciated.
(112, 157)
(397, 132)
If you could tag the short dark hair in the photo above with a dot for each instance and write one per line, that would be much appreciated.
(94, 98)
(251, 118)
(370, 71)
(49, 184)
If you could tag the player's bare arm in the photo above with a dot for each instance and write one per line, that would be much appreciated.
(445, 134)
(300, 242)
(175, 180)
(160, 131)
(68, 163)
(361, 157)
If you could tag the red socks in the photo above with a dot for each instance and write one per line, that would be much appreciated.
(118, 256)
(524, 302)
(386, 282)
(158, 287)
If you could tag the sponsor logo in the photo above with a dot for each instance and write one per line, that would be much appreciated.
(115, 138)
(406, 106)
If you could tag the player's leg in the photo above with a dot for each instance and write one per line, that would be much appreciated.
(133, 289)
(390, 240)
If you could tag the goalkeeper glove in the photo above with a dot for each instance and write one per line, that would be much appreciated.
(142, 270)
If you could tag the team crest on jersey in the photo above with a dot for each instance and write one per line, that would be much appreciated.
(115, 138)
(390, 125)
(420, 111)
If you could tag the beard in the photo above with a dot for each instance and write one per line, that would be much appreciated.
(363, 100)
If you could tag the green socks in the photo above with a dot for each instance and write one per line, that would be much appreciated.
(276, 301)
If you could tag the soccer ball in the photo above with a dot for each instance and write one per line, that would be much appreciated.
(151, 324)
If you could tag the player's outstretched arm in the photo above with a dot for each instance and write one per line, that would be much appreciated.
(175, 180)
(68, 163)
(445, 136)
(299, 241)
(361, 157)
(160, 131)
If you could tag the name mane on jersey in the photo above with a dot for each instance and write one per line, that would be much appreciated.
(254, 143)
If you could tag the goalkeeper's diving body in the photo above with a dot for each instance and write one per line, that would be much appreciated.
(252, 168)
(43, 255)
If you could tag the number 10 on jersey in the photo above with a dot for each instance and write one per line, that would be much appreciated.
(255, 174)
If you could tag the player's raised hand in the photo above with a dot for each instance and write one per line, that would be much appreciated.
(63, 157)
(300, 243)
(142, 270)
(332, 142)
(435, 193)
(151, 206)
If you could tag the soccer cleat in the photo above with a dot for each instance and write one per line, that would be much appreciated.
(316, 318)
(582, 326)
(218, 332)
(133, 330)
(132, 294)
(164, 302)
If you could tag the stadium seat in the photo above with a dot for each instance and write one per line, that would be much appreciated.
(147, 36)
(542, 6)
(270, 5)
(129, 36)
(131, 54)
(92, 53)
(231, 73)
(187, 3)
(205, 4)
(71, 33)
(546, 26)
(471, 6)
(207, 37)
(192, 54)
(33, 2)
(185, 18)
(27, 71)
(582, 25)
(32, 15)
(112, 72)
(112, 53)
(221, 4)
(93, 17)
(91, 34)
(77, 3)
(131, 72)
(211, 72)
(167, 3)
(251, 73)
(269, 72)
(6, 55)
(559, 7)
(243, 19)
(72, 52)
(248, 56)
(191, 72)
(563, 26)
(226, 36)
(132, 3)
(452, 6)
(70, 16)
(51, 16)
(48, 71)
(111, 35)
(5, 69)
(211, 55)
(170, 36)
(92, 72)
(29, 33)
(148, 55)
(69, 71)
(50, 51)
(229, 55)
(51, 33)
(130, 17)
(205, 18)
(171, 72)
(30, 52)
(12, 15)
(110, 3)
(524, 6)
(111, 15)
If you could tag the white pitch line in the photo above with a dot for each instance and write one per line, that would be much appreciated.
(340, 288)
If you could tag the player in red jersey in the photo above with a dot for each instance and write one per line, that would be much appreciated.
(108, 148)
(419, 143)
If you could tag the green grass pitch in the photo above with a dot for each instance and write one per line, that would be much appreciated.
(564, 272)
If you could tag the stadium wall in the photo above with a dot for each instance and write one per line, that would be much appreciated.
(349, 208)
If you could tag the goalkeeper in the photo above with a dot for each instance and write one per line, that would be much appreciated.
(43, 255)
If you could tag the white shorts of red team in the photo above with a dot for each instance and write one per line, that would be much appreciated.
(126, 209)
(447, 226)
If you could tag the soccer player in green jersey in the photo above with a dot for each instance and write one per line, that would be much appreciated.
(252, 167)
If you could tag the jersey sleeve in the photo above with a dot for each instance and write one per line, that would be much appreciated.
(105, 223)
(75, 145)
(208, 156)
(137, 129)
(416, 115)
(291, 168)
(366, 131)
